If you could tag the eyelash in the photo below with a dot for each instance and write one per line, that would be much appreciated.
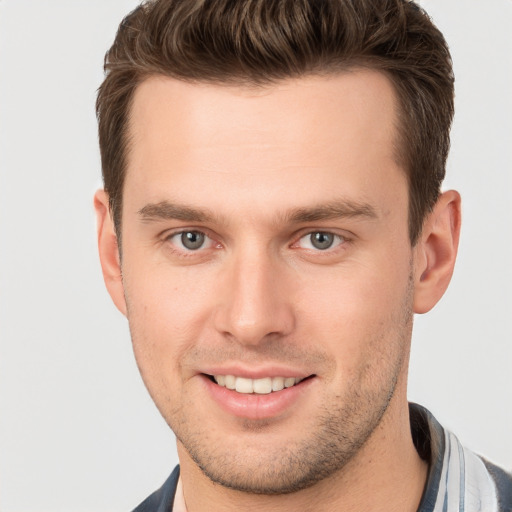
(339, 240)
(185, 250)
(336, 242)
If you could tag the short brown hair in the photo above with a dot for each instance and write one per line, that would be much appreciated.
(258, 42)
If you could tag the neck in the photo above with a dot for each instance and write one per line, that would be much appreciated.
(386, 474)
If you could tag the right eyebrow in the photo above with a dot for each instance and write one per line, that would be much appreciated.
(169, 211)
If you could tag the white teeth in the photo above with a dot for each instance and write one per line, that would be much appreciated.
(244, 385)
(277, 383)
(230, 382)
(262, 386)
(289, 382)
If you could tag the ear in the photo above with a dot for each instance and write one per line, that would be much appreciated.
(109, 250)
(436, 251)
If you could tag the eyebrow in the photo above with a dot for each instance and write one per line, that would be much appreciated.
(165, 210)
(332, 210)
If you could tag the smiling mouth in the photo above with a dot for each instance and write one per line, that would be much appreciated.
(263, 386)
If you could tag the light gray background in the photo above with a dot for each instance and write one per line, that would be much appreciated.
(77, 429)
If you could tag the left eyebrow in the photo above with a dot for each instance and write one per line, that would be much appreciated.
(333, 210)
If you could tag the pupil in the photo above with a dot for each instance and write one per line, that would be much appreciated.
(192, 240)
(322, 240)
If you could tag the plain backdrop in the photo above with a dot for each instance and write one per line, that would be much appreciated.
(78, 431)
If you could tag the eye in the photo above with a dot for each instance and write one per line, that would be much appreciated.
(320, 240)
(191, 240)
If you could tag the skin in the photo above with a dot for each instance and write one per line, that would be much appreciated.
(257, 170)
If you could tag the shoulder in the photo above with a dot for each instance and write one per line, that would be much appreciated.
(503, 482)
(162, 499)
(458, 479)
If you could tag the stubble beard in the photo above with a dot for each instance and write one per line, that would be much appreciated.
(341, 429)
(290, 468)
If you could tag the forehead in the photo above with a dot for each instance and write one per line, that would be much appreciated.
(294, 136)
(174, 110)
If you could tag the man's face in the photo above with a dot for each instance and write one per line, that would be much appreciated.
(265, 239)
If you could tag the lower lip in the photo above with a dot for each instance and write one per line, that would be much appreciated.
(254, 406)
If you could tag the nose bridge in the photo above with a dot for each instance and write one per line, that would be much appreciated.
(254, 302)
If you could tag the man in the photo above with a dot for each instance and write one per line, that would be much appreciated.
(271, 221)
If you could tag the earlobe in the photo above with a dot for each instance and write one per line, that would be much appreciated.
(436, 251)
(109, 250)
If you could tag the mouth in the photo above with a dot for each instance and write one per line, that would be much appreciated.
(269, 396)
(262, 386)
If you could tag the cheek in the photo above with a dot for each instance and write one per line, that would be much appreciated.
(167, 313)
(358, 315)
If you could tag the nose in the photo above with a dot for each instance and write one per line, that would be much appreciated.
(254, 305)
